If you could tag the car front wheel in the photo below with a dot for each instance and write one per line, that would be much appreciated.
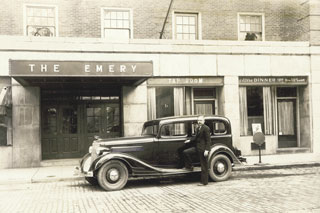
(113, 175)
(220, 168)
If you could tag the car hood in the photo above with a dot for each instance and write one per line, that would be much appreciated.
(123, 141)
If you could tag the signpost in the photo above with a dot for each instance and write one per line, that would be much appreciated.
(259, 139)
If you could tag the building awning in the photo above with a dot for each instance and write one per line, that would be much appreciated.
(80, 74)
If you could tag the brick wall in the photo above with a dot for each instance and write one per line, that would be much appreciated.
(285, 20)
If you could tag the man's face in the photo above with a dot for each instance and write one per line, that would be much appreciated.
(200, 121)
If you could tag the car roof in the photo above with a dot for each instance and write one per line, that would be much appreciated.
(189, 118)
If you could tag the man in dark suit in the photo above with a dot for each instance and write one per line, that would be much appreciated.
(202, 143)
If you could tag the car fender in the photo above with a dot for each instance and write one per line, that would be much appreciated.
(101, 160)
(223, 149)
(134, 165)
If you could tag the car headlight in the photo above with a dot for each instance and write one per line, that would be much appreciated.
(90, 149)
(86, 164)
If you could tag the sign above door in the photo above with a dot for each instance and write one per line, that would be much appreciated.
(35, 68)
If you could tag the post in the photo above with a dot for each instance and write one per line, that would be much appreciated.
(259, 153)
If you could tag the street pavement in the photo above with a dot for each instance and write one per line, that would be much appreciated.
(291, 189)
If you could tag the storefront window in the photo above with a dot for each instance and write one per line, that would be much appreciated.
(164, 102)
(257, 106)
(176, 101)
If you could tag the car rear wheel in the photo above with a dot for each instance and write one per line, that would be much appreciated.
(113, 175)
(93, 181)
(220, 168)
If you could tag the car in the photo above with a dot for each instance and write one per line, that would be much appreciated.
(158, 152)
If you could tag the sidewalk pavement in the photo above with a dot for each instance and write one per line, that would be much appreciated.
(67, 172)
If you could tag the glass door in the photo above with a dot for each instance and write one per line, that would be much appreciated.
(69, 131)
(204, 107)
(49, 133)
(101, 119)
(287, 131)
(287, 117)
(204, 100)
(60, 128)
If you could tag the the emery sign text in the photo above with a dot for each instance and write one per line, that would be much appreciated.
(80, 68)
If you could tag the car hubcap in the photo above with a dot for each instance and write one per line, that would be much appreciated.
(220, 167)
(113, 175)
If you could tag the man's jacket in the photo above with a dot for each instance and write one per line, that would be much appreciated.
(203, 139)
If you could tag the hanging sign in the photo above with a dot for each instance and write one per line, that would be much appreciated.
(287, 80)
(183, 81)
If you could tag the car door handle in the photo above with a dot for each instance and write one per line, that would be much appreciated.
(187, 141)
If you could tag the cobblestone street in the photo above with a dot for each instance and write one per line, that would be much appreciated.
(277, 190)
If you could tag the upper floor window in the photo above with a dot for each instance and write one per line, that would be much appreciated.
(251, 27)
(40, 20)
(116, 24)
(186, 26)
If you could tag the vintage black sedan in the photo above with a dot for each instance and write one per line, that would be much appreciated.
(158, 152)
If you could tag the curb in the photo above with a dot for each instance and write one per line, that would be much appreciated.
(271, 166)
(237, 168)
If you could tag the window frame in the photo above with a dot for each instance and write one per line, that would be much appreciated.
(198, 24)
(218, 122)
(252, 14)
(56, 14)
(213, 99)
(103, 9)
(185, 123)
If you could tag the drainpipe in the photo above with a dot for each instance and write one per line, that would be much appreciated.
(165, 20)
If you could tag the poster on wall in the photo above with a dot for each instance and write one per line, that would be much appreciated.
(256, 127)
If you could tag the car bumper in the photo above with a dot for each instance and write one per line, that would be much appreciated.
(80, 172)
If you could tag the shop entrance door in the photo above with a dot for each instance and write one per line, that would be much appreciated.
(101, 119)
(287, 123)
(69, 127)
(60, 132)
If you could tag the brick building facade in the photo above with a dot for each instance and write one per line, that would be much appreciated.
(67, 71)
(285, 20)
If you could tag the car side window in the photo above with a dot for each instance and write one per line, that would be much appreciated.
(180, 129)
(216, 127)
(219, 128)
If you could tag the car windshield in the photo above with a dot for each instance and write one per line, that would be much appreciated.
(150, 129)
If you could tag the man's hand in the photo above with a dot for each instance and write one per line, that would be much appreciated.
(206, 153)
(187, 141)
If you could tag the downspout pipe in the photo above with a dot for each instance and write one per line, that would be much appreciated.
(165, 20)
